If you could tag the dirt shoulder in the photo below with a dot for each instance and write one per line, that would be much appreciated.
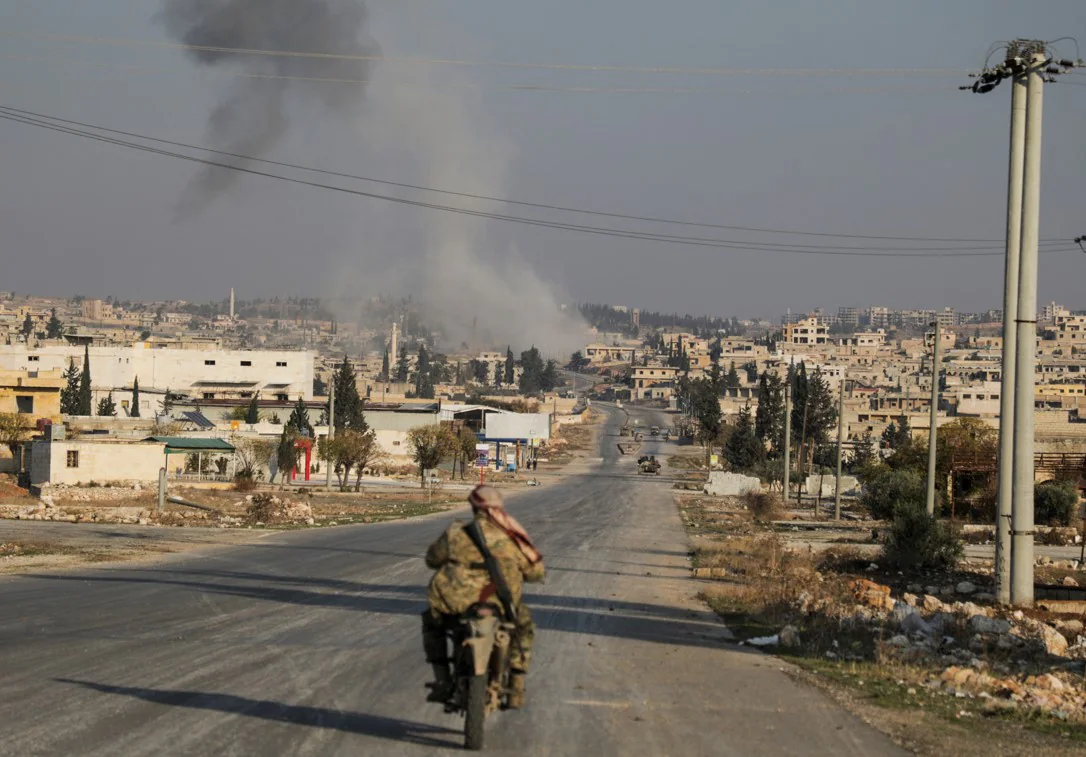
(27, 546)
(927, 659)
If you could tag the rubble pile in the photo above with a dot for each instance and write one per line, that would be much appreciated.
(109, 492)
(1004, 657)
(269, 510)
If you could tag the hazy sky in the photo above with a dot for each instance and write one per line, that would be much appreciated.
(886, 154)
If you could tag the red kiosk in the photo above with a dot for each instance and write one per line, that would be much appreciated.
(307, 444)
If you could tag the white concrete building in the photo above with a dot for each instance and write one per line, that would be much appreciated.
(200, 374)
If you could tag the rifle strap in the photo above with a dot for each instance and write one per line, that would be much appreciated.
(475, 533)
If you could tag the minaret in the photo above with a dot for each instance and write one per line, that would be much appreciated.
(231, 303)
(393, 355)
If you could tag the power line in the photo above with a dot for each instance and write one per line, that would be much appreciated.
(543, 206)
(138, 68)
(128, 42)
(721, 244)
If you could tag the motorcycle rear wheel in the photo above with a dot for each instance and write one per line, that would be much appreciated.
(475, 712)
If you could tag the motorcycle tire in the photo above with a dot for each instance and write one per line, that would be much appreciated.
(475, 712)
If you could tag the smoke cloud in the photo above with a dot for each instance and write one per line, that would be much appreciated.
(252, 115)
(468, 275)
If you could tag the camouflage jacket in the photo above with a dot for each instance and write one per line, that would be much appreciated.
(461, 576)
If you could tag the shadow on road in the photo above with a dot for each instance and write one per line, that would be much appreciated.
(592, 616)
(393, 729)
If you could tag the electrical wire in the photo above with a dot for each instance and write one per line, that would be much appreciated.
(90, 40)
(481, 214)
(548, 207)
(137, 68)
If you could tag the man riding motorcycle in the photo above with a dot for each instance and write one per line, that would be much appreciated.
(462, 580)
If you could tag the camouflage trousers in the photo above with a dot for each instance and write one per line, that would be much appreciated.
(435, 645)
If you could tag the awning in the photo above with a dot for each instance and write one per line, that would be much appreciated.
(176, 444)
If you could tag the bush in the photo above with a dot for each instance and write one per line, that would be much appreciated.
(1055, 503)
(762, 506)
(886, 491)
(918, 541)
(244, 483)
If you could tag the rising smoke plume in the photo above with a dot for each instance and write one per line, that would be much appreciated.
(472, 281)
(252, 115)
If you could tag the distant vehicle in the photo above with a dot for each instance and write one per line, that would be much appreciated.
(648, 465)
(655, 430)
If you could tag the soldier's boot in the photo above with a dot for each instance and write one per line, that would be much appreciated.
(517, 680)
(443, 686)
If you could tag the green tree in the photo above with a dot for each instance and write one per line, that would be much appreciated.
(349, 406)
(106, 405)
(145, 335)
(744, 451)
(385, 367)
(499, 374)
(14, 430)
(424, 382)
(69, 395)
(27, 328)
(350, 450)
(299, 419)
(705, 409)
(769, 417)
(165, 405)
(320, 388)
(886, 491)
(85, 384)
(550, 378)
(863, 454)
(1056, 502)
(286, 454)
(54, 329)
(531, 371)
(821, 409)
(896, 437)
(429, 446)
(134, 410)
(403, 367)
(798, 376)
(509, 375)
(252, 413)
(731, 379)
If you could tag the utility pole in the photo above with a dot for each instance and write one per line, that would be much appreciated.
(787, 439)
(331, 432)
(1026, 358)
(1010, 317)
(840, 447)
(934, 413)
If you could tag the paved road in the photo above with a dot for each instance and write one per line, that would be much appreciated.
(306, 643)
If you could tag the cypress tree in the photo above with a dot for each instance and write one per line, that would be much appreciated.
(507, 378)
(252, 415)
(85, 384)
(134, 411)
(69, 395)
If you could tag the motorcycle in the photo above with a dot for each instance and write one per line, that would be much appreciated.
(482, 641)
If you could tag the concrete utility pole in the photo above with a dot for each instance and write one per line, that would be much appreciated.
(331, 430)
(840, 447)
(1026, 358)
(787, 438)
(1010, 317)
(934, 413)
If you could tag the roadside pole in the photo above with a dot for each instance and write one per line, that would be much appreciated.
(840, 447)
(1010, 317)
(161, 490)
(932, 431)
(1026, 358)
(787, 439)
(331, 433)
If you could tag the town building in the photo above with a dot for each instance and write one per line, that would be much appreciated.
(806, 331)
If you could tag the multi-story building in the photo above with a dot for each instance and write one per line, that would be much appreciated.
(653, 382)
(848, 316)
(806, 331)
(199, 374)
(878, 317)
